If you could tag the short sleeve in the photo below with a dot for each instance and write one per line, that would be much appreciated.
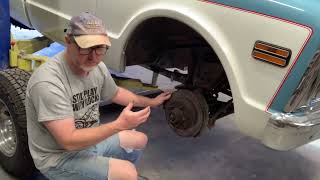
(109, 87)
(50, 101)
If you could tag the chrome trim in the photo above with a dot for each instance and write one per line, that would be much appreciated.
(309, 87)
(300, 123)
(8, 138)
(286, 131)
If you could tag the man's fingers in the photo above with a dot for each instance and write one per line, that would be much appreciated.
(167, 96)
(129, 106)
(164, 94)
(142, 112)
(144, 118)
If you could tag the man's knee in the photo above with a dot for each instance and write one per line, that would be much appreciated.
(121, 170)
(142, 140)
(133, 139)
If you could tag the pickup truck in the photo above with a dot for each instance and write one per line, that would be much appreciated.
(258, 59)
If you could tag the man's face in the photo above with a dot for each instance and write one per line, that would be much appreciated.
(85, 58)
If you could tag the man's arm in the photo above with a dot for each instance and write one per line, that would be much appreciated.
(70, 138)
(124, 96)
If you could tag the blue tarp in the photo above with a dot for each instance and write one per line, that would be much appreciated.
(4, 34)
(50, 51)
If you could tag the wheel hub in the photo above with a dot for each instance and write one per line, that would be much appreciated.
(8, 139)
(175, 115)
(184, 113)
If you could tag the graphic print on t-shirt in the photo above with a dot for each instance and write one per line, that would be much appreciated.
(84, 99)
(89, 118)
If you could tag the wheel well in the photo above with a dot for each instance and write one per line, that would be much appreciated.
(168, 43)
(162, 44)
(156, 35)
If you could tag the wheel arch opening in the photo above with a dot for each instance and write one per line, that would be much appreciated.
(162, 43)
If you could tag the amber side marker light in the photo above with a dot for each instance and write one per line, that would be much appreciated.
(270, 53)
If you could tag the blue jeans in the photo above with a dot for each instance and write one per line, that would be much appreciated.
(91, 163)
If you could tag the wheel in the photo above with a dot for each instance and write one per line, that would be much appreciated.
(186, 113)
(15, 157)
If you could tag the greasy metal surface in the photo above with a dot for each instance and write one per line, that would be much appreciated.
(184, 113)
(204, 109)
(218, 108)
(223, 109)
(8, 139)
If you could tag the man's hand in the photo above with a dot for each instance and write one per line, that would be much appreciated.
(161, 98)
(129, 119)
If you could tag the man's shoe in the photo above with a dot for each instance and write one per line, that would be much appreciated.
(142, 177)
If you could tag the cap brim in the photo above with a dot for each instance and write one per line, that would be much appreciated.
(86, 41)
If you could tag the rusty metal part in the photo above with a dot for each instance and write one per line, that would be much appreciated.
(185, 114)
(217, 109)
(204, 109)
(224, 109)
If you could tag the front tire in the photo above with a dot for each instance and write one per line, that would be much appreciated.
(15, 157)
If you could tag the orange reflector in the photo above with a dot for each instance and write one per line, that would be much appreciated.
(268, 58)
(271, 53)
(272, 50)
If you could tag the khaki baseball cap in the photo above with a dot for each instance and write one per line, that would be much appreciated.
(88, 30)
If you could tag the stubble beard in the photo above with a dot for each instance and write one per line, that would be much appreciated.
(83, 67)
(87, 69)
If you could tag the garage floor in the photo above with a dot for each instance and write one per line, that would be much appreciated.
(222, 153)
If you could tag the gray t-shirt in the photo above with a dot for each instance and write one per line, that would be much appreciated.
(54, 92)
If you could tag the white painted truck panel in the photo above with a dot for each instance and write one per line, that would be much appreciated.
(52, 17)
(18, 12)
